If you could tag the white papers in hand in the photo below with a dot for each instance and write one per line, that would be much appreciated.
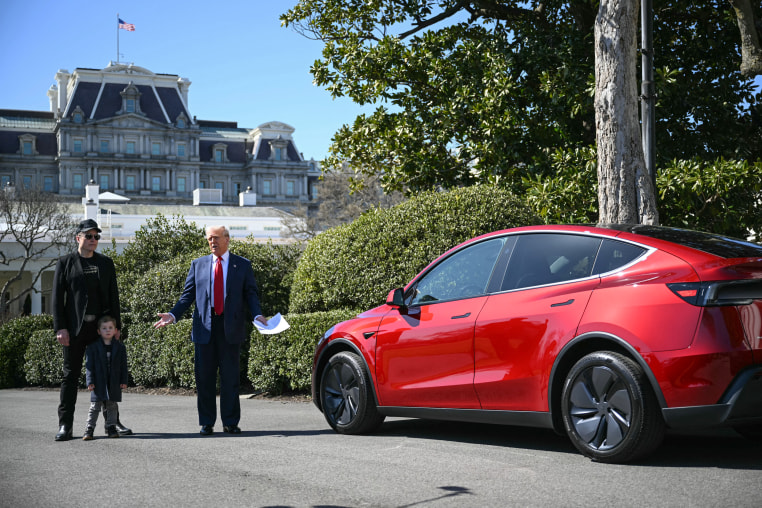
(275, 324)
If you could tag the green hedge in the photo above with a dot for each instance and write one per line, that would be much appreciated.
(43, 361)
(14, 340)
(356, 265)
(161, 357)
(283, 361)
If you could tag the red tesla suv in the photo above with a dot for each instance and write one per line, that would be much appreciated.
(610, 334)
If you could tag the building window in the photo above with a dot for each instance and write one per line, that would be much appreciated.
(156, 183)
(28, 144)
(130, 99)
(105, 146)
(278, 154)
(26, 181)
(181, 123)
(77, 146)
(181, 184)
(27, 148)
(237, 188)
(48, 184)
(5, 181)
(104, 182)
(155, 148)
(267, 187)
(131, 147)
(130, 105)
(202, 185)
(219, 185)
(77, 184)
(78, 116)
(220, 152)
(181, 150)
(130, 182)
(290, 186)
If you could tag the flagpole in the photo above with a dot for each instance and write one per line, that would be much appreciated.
(117, 37)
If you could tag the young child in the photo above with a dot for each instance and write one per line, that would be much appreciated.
(106, 376)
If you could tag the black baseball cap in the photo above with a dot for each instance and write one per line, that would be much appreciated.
(87, 225)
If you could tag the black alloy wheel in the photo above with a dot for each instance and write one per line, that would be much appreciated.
(609, 410)
(345, 393)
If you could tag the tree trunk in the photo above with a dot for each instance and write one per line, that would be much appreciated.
(751, 52)
(625, 191)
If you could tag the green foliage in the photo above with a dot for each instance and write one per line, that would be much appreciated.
(282, 362)
(495, 88)
(161, 357)
(722, 196)
(355, 266)
(14, 340)
(43, 360)
(160, 240)
(157, 289)
(570, 196)
(274, 267)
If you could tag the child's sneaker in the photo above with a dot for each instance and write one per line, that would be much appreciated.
(112, 432)
(88, 434)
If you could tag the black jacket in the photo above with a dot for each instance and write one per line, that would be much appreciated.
(70, 292)
(106, 388)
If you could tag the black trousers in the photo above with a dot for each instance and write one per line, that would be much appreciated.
(73, 355)
(218, 356)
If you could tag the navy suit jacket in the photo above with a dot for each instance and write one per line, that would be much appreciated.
(241, 299)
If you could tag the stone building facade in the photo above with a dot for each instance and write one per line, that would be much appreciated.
(131, 131)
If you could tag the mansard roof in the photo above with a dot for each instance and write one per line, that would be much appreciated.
(14, 123)
(103, 100)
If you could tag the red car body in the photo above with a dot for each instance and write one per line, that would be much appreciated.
(610, 334)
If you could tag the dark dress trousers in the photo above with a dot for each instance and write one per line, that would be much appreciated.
(217, 339)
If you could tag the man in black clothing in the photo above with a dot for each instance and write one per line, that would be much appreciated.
(84, 289)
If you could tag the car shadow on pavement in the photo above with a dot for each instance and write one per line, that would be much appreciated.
(717, 448)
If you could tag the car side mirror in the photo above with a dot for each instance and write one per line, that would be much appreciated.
(397, 298)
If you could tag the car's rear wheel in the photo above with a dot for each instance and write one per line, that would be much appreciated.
(346, 397)
(609, 410)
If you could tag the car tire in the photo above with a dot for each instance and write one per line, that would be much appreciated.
(609, 410)
(346, 396)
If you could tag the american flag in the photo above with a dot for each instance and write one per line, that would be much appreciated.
(126, 26)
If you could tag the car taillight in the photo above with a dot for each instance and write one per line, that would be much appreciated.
(717, 293)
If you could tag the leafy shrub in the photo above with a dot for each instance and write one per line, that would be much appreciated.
(274, 267)
(43, 361)
(161, 357)
(283, 361)
(14, 339)
(354, 266)
(721, 196)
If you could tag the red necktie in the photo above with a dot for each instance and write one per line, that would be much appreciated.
(219, 288)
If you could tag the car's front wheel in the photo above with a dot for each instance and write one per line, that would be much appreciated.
(609, 410)
(346, 397)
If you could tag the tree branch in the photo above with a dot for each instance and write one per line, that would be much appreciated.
(751, 52)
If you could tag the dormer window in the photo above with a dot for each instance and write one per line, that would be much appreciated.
(278, 150)
(130, 99)
(27, 144)
(78, 116)
(220, 152)
(181, 122)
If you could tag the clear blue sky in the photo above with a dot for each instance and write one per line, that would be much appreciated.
(243, 65)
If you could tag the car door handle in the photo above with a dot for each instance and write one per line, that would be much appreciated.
(461, 316)
(561, 304)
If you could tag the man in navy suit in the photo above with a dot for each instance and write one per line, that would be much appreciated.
(223, 287)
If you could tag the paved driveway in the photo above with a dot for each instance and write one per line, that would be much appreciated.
(288, 456)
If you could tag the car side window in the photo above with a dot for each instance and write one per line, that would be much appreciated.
(615, 254)
(464, 274)
(550, 258)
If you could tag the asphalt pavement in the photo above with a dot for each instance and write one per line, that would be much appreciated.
(288, 456)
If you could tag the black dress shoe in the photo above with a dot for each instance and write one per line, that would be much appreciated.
(64, 433)
(207, 430)
(122, 430)
(232, 429)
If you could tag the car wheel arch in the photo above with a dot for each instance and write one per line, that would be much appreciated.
(337, 346)
(581, 346)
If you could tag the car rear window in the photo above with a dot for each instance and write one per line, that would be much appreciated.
(723, 246)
